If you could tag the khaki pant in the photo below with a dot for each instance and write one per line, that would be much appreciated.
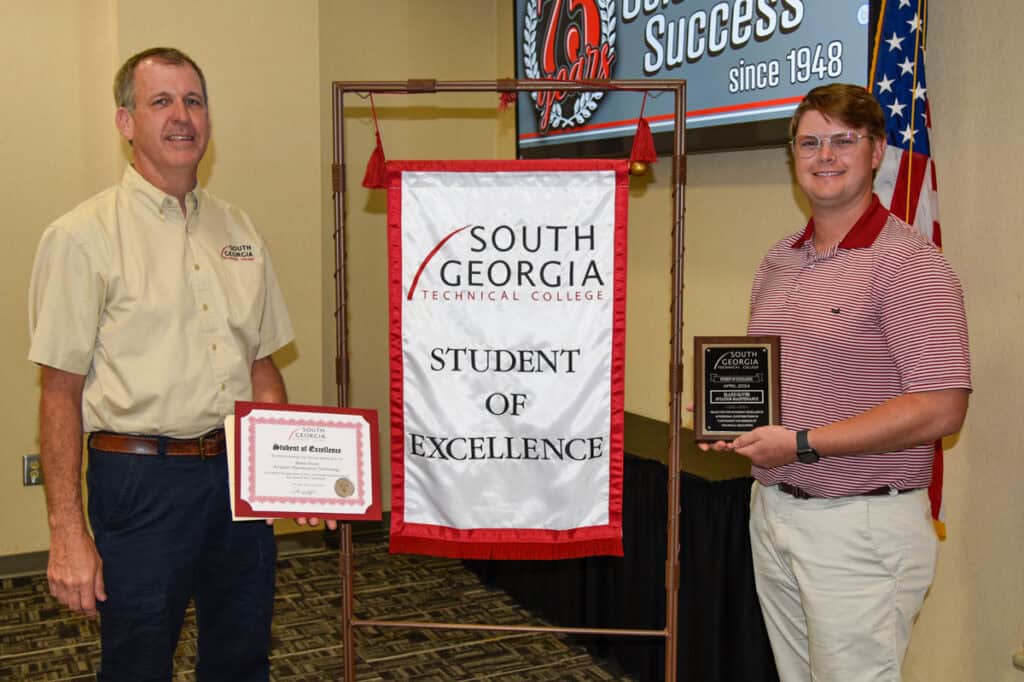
(840, 581)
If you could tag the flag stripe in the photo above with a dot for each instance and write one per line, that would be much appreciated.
(907, 192)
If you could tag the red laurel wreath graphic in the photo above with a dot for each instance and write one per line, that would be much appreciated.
(591, 60)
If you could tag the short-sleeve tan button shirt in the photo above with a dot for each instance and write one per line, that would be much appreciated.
(163, 313)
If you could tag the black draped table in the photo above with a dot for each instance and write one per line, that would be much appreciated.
(721, 632)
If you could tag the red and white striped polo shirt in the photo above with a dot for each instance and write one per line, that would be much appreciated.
(880, 315)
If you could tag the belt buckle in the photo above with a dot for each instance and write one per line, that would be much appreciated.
(202, 446)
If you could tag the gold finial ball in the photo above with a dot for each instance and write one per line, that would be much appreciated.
(637, 168)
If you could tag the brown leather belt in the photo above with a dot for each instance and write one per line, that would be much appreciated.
(206, 445)
(801, 494)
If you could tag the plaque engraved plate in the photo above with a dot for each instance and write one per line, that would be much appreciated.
(736, 385)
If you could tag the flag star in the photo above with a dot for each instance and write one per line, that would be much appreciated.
(908, 133)
(907, 66)
(896, 109)
(915, 23)
(895, 43)
(904, 3)
(885, 85)
(920, 91)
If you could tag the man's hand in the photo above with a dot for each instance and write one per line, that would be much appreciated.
(767, 446)
(314, 521)
(75, 572)
(717, 446)
(311, 521)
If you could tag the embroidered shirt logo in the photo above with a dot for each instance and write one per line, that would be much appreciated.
(237, 252)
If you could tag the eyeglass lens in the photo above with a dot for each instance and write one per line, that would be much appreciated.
(808, 145)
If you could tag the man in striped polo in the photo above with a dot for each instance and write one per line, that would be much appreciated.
(875, 368)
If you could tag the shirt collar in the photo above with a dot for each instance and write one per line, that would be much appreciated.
(158, 198)
(862, 234)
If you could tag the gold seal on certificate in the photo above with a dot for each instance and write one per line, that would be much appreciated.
(304, 460)
(344, 487)
(736, 385)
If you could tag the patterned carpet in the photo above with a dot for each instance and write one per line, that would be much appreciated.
(41, 641)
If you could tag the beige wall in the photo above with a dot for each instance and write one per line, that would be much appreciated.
(270, 64)
(974, 616)
(58, 146)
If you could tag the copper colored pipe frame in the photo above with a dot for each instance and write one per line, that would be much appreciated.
(346, 554)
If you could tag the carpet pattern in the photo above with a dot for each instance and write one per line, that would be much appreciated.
(39, 640)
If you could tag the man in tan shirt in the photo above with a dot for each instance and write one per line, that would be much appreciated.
(154, 306)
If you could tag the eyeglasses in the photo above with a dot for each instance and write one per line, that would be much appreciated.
(806, 146)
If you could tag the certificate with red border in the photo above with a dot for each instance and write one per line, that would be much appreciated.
(305, 460)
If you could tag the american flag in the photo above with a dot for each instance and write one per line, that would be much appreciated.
(906, 179)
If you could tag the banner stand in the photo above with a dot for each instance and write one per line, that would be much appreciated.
(510, 85)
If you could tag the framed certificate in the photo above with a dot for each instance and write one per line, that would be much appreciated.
(736, 385)
(305, 460)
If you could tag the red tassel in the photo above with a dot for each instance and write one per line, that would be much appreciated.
(375, 177)
(507, 100)
(643, 144)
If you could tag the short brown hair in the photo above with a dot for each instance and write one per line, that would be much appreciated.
(124, 80)
(849, 104)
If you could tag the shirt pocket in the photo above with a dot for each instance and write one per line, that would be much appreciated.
(244, 289)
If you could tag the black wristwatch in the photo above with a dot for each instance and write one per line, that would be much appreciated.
(804, 452)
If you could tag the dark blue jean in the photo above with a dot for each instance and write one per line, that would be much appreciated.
(164, 532)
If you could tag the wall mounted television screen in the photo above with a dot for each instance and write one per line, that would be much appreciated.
(747, 64)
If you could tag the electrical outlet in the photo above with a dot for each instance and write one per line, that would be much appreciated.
(31, 470)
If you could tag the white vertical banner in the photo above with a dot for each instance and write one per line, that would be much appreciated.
(507, 334)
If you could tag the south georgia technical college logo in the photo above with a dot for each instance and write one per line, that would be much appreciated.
(567, 40)
(496, 263)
